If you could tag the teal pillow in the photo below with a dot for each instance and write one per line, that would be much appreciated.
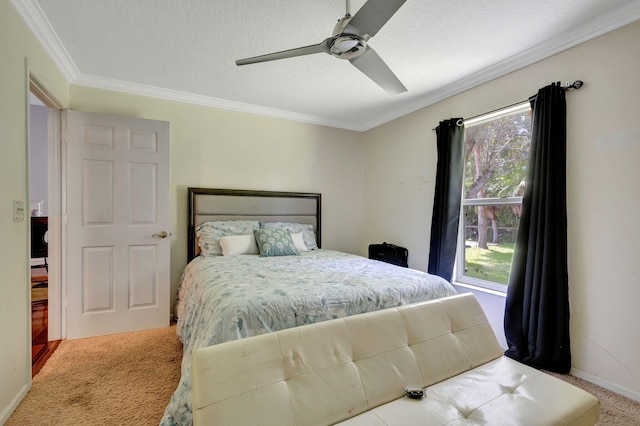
(275, 242)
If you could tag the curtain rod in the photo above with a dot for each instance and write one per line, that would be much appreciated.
(567, 86)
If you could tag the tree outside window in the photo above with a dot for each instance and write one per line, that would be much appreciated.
(497, 154)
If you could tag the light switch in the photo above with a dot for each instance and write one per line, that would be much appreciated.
(18, 211)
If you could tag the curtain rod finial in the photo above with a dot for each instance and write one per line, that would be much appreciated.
(575, 85)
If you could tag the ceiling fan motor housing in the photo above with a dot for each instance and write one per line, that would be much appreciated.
(348, 46)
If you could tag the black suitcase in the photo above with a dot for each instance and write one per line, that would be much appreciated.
(389, 253)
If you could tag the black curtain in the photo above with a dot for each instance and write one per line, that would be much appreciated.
(536, 318)
(446, 203)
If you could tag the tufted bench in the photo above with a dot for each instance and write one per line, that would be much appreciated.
(353, 370)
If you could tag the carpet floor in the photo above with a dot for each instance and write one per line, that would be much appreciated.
(123, 379)
(128, 379)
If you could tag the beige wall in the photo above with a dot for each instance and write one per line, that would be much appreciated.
(224, 149)
(387, 172)
(16, 44)
(209, 148)
(603, 131)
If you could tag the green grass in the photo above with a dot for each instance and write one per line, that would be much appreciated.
(493, 264)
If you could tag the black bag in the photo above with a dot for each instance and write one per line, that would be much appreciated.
(389, 253)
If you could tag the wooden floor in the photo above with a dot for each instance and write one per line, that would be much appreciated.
(41, 348)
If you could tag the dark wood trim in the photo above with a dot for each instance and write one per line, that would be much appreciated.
(194, 192)
(43, 356)
(41, 348)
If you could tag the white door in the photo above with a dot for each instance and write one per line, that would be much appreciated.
(117, 224)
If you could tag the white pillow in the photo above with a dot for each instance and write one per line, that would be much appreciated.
(298, 241)
(233, 245)
(209, 233)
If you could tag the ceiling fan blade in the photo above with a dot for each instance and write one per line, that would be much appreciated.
(374, 67)
(372, 16)
(300, 51)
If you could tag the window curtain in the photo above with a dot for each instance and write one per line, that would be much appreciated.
(446, 203)
(536, 318)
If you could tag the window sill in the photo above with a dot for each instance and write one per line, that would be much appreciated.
(481, 289)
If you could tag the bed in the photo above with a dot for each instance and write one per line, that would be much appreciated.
(240, 282)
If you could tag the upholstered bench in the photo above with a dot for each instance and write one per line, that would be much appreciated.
(354, 370)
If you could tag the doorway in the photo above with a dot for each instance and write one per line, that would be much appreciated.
(38, 194)
(44, 213)
(146, 164)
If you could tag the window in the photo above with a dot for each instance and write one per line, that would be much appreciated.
(496, 155)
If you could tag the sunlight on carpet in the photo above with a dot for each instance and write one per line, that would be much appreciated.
(122, 379)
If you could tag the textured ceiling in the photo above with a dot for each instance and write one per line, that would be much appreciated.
(185, 50)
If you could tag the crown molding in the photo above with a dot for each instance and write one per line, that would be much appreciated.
(40, 26)
(201, 100)
(606, 23)
(35, 19)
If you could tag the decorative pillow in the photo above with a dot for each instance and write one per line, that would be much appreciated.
(307, 231)
(209, 233)
(233, 245)
(275, 242)
(298, 241)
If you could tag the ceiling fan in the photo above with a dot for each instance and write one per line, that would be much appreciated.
(349, 41)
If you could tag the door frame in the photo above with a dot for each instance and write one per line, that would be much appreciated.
(55, 179)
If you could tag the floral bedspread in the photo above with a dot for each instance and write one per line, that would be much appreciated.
(228, 298)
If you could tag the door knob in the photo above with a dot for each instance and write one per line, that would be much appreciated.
(162, 234)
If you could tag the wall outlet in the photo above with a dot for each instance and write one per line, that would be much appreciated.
(18, 211)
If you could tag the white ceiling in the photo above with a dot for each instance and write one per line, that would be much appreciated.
(185, 50)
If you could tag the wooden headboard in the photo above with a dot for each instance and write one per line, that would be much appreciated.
(206, 204)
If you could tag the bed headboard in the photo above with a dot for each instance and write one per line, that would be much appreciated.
(206, 204)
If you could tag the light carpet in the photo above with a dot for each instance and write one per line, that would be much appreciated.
(615, 409)
(123, 379)
(128, 379)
